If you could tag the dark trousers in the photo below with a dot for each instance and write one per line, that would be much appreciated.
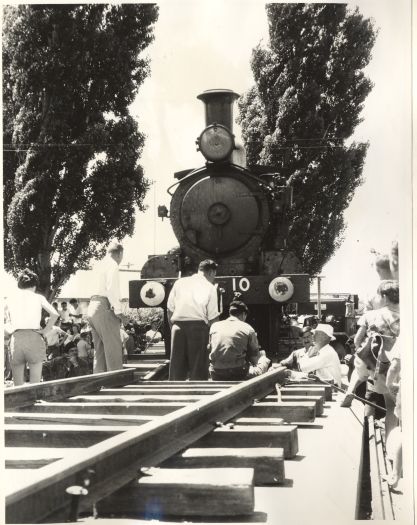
(189, 353)
(229, 374)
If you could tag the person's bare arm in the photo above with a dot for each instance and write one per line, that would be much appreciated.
(360, 336)
(393, 376)
(288, 362)
(53, 316)
(260, 367)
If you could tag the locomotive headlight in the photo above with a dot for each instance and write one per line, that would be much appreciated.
(152, 293)
(281, 289)
(216, 142)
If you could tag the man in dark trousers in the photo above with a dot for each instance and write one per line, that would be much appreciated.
(235, 353)
(192, 307)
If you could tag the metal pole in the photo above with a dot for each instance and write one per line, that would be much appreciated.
(365, 401)
(319, 297)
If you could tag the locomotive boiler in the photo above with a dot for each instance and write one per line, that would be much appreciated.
(237, 217)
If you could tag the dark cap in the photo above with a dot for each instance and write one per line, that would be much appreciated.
(238, 307)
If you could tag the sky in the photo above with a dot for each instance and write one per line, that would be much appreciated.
(203, 45)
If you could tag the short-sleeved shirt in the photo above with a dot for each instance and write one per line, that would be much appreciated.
(25, 309)
(373, 302)
(232, 343)
(65, 315)
(193, 299)
(74, 313)
(385, 321)
(325, 364)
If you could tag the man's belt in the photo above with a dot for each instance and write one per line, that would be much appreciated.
(189, 321)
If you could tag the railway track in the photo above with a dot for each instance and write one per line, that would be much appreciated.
(224, 450)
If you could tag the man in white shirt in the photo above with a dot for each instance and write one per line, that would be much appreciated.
(55, 338)
(104, 313)
(192, 308)
(75, 312)
(325, 364)
(307, 350)
(64, 315)
(153, 335)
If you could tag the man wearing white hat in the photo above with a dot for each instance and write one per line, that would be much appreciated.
(325, 364)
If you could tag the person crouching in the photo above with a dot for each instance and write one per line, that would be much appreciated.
(234, 348)
(325, 363)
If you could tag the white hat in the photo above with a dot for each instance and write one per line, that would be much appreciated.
(327, 329)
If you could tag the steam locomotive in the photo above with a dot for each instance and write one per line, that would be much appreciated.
(237, 217)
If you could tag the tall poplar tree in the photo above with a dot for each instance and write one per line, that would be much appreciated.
(71, 174)
(300, 114)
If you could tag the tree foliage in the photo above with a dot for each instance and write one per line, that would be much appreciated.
(306, 103)
(71, 149)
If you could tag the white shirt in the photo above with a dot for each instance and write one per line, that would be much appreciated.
(65, 315)
(74, 312)
(25, 309)
(193, 299)
(107, 282)
(326, 365)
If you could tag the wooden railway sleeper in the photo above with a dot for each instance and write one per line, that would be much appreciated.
(226, 405)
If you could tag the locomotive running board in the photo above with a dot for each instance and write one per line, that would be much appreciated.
(113, 462)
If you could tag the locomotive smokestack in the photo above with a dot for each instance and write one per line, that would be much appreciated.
(219, 106)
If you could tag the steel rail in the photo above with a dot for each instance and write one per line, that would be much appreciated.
(26, 395)
(382, 506)
(108, 465)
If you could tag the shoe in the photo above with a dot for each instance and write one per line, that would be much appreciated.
(347, 401)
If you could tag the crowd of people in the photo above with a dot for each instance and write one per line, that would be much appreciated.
(377, 360)
(226, 350)
(68, 344)
(234, 352)
(53, 347)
